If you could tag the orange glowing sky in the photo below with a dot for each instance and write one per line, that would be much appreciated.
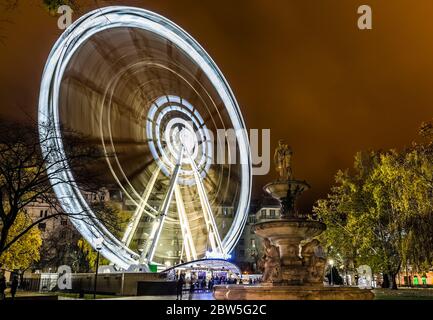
(301, 68)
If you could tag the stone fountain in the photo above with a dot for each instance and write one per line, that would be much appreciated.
(293, 262)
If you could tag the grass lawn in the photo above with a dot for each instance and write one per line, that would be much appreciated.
(404, 294)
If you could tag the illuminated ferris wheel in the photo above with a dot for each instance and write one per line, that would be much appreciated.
(150, 96)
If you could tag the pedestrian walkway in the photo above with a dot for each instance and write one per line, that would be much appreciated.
(187, 296)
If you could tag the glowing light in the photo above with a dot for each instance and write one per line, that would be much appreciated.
(69, 194)
(217, 255)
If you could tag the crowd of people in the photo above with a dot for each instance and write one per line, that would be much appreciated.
(200, 285)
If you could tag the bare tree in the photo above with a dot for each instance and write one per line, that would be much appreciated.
(28, 175)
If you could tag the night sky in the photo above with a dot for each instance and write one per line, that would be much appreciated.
(301, 68)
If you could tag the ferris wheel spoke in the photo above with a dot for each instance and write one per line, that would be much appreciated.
(188, 243)
(213, 234)
(133, 223)
(150, 248)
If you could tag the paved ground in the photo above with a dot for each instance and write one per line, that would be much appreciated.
(380, 294)
(194, 296)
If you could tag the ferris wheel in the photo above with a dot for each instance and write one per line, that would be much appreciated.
(150, 97)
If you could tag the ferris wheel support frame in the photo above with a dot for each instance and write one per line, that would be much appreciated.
(151, 244)
(135, 220)
(188, 242)
(214, 237)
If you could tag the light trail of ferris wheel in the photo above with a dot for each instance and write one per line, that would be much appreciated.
(76, 84)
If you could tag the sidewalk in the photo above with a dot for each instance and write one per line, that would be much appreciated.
(194, 296)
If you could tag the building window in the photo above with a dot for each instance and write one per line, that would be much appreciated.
(253, 243)
(272, 213)
(41, 213)
(241, 241)
(263, 213)
(46, 213)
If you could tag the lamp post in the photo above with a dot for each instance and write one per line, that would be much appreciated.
(98, 245)
(331, 263)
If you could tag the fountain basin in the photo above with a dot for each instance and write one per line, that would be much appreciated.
(275, 292)
(296, 229)
(280, 189)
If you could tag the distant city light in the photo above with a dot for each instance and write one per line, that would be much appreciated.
(217, 255)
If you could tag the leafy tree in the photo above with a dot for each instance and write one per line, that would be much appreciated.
(90, 255)
(24, 252)
(381, 213)
(60, 247)
(116, 221)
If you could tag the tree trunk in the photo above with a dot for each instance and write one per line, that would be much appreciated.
(3, 237)
(385, 283)
(393, 277)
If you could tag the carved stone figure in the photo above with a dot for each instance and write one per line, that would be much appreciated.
(283, 161)
(271, 262)
(314, 259)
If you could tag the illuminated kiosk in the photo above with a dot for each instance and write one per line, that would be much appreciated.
(144, 91)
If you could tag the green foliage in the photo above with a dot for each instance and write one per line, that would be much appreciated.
(381, 214)
(90, 254)
(115, 221)
(53, 5)
(25, 251)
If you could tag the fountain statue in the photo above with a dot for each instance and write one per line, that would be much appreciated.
(283, 161)
(293, 262)
(271, 263)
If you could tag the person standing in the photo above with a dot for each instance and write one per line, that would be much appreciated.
(2, 286)
(191, 288)
(179, 287)
(14, 286)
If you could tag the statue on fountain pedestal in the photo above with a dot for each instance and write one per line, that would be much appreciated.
(314, 259)
(271, 262)
(283, 161)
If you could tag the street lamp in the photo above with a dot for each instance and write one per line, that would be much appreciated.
(98, 245)
(331, 263)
